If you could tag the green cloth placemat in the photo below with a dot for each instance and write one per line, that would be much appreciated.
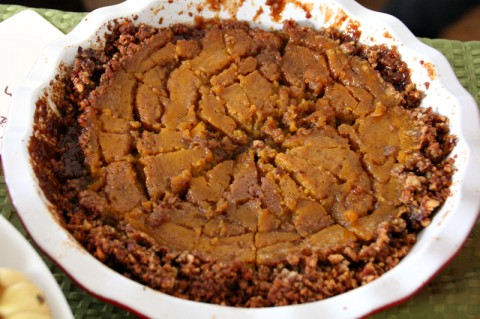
(453, 294)
(64, 21)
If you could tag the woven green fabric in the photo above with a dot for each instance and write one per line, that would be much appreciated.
(64, 21)
(453, 293)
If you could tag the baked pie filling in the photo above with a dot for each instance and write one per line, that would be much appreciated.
(238, 166)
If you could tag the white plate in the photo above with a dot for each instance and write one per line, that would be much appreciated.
(23, 38)
(437, 244)
(18, 254)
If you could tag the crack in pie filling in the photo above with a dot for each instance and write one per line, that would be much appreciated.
(238, 166)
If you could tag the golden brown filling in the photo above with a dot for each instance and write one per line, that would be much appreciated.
(239, 147)
(231, 165)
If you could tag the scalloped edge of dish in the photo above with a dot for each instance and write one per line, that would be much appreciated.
(437, 244)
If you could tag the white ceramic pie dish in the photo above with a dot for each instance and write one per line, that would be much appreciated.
(437, 244)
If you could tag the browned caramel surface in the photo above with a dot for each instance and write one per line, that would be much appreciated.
(230, 165)
(236, 146)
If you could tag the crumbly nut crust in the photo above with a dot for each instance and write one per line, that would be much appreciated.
(152, 119)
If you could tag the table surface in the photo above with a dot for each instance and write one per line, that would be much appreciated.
(453, 293)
